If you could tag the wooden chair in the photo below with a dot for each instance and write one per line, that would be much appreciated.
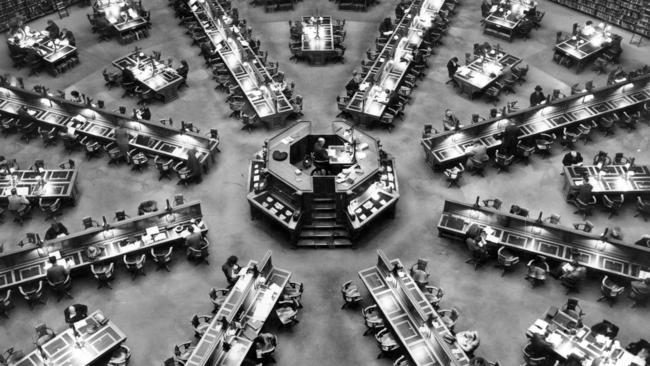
(350, 294)
(103, 273)
(372, 319)
(218, 296)
(162, 257)
(610, 290)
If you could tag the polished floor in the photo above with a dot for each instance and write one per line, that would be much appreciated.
(155, 310)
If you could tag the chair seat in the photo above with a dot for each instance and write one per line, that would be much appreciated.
(119, 357)
(537, 273)
(202, 327)
(432, 298)
(388, 341)
(285, 314)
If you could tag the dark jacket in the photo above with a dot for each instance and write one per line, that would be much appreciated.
(536, 98)
(81, 312)
(452, 67)
(584, 192)
(194, 241)
(57, 273)
(571, 160)
(55, 231)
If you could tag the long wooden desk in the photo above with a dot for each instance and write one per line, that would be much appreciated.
(504, 20)
(249, 304)
(583, 49)
(611, 179)
(96, 340)
(153, 74)
(448, 148)
(29, 263)
(390, 66)
(566, 339)
(410, 316)
(99, 124)
(60, 183)
(482, 72)
(264, 95)
(555, 242)
(317, 42)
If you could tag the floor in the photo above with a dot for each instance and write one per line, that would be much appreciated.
(155, 310)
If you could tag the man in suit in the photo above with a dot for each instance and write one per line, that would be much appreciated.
(572, 158)
(320, 152)
(537, 97)
(52, 29)
(56, 273)
(450, 122)
(584, 191)
(75, 313)
(452, 67)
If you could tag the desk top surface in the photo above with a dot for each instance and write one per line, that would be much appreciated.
(101, 124)
(152, 73)
(407, 311)
(54, 183)
(96, 341)
(317, 38)
(581, 46)
(450, 146)
(552, 241)
(484, 70)
(611, 179)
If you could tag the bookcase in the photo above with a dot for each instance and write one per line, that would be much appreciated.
(30, 9)
(633, 15)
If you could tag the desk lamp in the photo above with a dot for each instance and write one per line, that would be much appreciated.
(476, 203)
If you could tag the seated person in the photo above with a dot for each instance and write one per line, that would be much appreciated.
(127, 76)
(584, 191)
(75, 313)
(230, 270)
(540, 347)
(56, 273)
(183, 70)
(386, 27)
(573, 274)
(450, 121)
(353, 85)
(194, 240)
(478, 155)
(52, 29)
(640, 290)
(320, 152)
(194, 165)
(17, 203)
(56, 229)
(68, 36)
(468, 341)
(588, 29)
(601, 159)
(572, 158)
(605, 328)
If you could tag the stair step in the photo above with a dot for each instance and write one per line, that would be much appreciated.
(324, 206)
(323, 200)
(323, 243)
(323, 215)
(323, 233)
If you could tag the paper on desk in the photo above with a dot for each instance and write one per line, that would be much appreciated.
(643, 274)
(151, 231)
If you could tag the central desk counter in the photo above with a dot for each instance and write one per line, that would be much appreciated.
(555, 242)
(286, 190)
(449, 148)
(135, 235)
(99, 125)
(248, 304)
(410, 316)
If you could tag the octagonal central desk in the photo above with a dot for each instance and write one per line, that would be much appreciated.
(330, 209)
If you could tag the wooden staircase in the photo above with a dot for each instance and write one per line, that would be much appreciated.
(324, 231)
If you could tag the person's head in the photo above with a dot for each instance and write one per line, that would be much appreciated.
(72, 310)
(14, 192)
(573, 153)
(589, 22)
(448, 112)
(64, 31)
(232, 260)
(50, 22)
(538, 89)
(184, 63)
(52, 260)
(454, 59)
(190, 229)
(321, 141)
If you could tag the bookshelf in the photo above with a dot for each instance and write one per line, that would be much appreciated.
(29, 9)
(633, 15)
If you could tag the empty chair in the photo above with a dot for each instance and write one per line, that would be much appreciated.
(419, 272)
(88, 222)
(134, 263)
(532, 359)
(162, 257)
(200, 323)
(537, 271)
(553, 219)
(218, 296)
(433, 295)
(612, 204)
(544, 142)
(524, 152)
(573, 309)
(586, 226)
(32, 293)
(584, 208)
(293, 291)
(386, 342)
(50, 207)
(182, 352)
(121, 356)
(49, 135)
(642, 208)
(138, 159)
(610, 290)
(449, 317)
(43, 334)
(265, 345)
(606, 125)
(372, 319)
(103, 273)
(350, 294)
(62, 289)
(506, 259)
(164, 167)
(287, 312)
(570, 138)
(120, 215)
(6, 302)
(454, 175)
(199, 255)
(573, 278)
(502, 161)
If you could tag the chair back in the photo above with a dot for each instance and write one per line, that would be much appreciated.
(87, 222)
(179, 199)
(120, 215)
